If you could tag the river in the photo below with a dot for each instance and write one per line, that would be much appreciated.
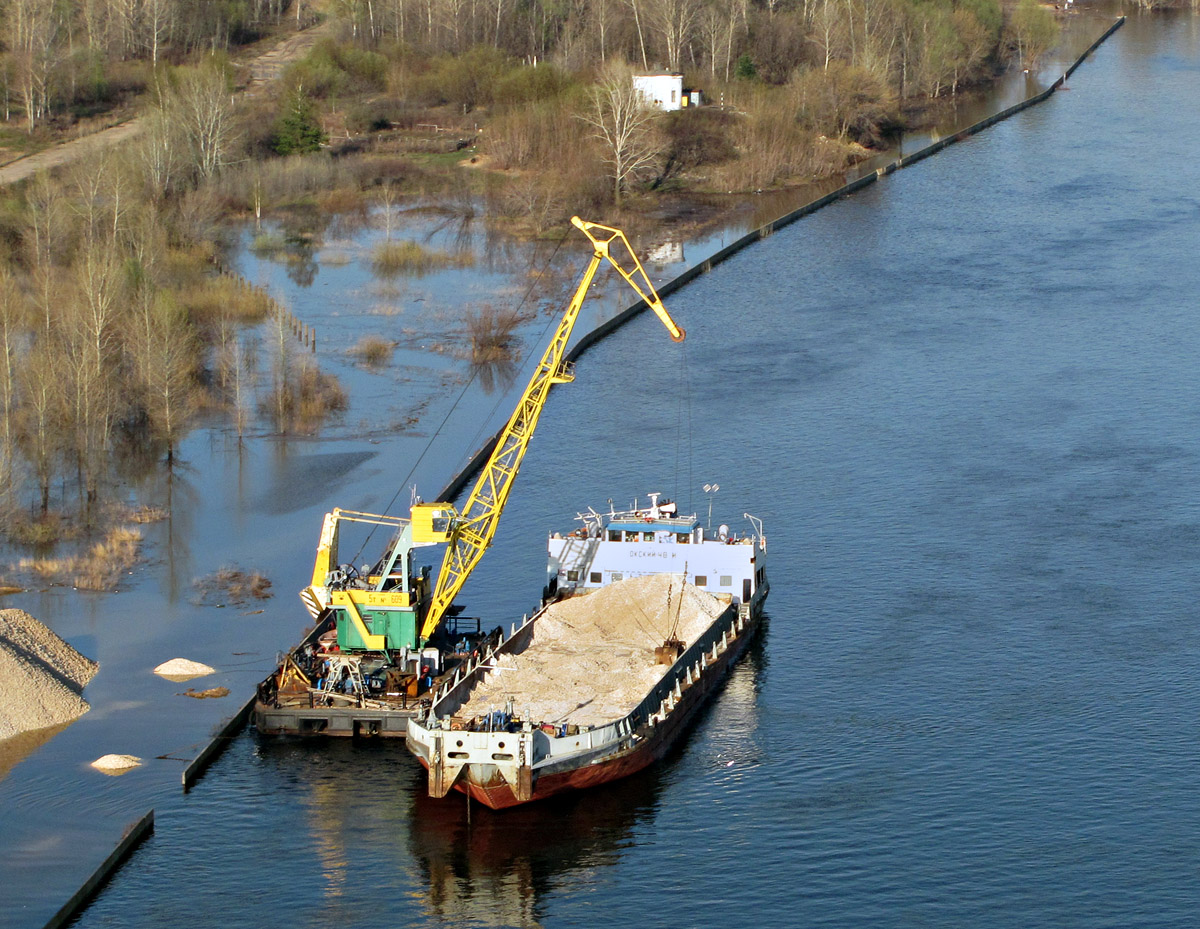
(962, 402)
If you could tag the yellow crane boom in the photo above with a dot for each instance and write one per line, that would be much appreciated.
(470, 533)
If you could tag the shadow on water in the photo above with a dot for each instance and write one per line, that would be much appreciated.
(305, 480)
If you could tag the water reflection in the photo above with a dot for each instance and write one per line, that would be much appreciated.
(494, 869)
(178, 496)
(362, 812)
(496, 374)
(14, 749)
(670, 252)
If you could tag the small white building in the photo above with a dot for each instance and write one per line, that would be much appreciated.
(661, 89)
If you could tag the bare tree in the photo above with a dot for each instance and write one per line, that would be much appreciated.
(1032, 31)
(100, 196)
(31, 33)
(46, 236)
(12, 320)
(90, 347)
(39, 381)
(205, 108)
(388, 196)
(166, 351)
(827, 30)
(637, 19)
(674, 21)
(235, 368)
(624, 125)
(155, 25)
(281, 404)
(158, 149)
(716, 25)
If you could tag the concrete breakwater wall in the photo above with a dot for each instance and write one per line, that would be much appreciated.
(135, 834)
(460, 480)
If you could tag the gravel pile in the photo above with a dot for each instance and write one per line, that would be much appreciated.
(592, 657)
(41, 676)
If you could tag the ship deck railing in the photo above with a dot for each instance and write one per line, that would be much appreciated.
(652, 710)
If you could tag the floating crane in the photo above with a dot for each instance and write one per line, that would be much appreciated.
(389, 607)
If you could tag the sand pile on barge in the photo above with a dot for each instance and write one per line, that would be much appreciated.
(592, 656)
(41, 676)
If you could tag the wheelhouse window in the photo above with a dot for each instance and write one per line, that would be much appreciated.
(682, 538)
(614, 535)
(647, 536)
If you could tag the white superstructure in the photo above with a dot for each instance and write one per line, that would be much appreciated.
(613, 546)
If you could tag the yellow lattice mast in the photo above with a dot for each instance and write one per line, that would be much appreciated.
(469, 533)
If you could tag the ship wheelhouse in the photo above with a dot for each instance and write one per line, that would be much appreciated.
(655, 540)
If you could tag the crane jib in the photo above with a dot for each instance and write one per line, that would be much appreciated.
(468, 535)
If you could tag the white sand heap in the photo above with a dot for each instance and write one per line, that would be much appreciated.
(592, 657)
(181, 669)
(116, 765)
(41, 676)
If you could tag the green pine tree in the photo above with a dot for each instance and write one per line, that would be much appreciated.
(745, 70)
(297, 129)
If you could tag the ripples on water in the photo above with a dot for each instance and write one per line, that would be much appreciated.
(964, 405)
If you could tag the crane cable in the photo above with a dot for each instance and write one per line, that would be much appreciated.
(683, 426)
(462, 393)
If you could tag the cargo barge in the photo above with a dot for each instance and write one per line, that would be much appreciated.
(556, 706)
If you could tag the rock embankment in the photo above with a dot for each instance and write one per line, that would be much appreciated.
(592, 657)
(41, 676)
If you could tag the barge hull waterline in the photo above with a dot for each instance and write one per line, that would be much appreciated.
(498, 794)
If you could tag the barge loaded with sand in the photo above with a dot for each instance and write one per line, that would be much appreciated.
(601, 681)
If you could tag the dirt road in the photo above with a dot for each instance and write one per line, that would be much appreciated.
(264, 69)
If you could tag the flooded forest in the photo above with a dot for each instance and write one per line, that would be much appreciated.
(265, 131)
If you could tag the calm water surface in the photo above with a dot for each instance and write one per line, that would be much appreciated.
(964, 404)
